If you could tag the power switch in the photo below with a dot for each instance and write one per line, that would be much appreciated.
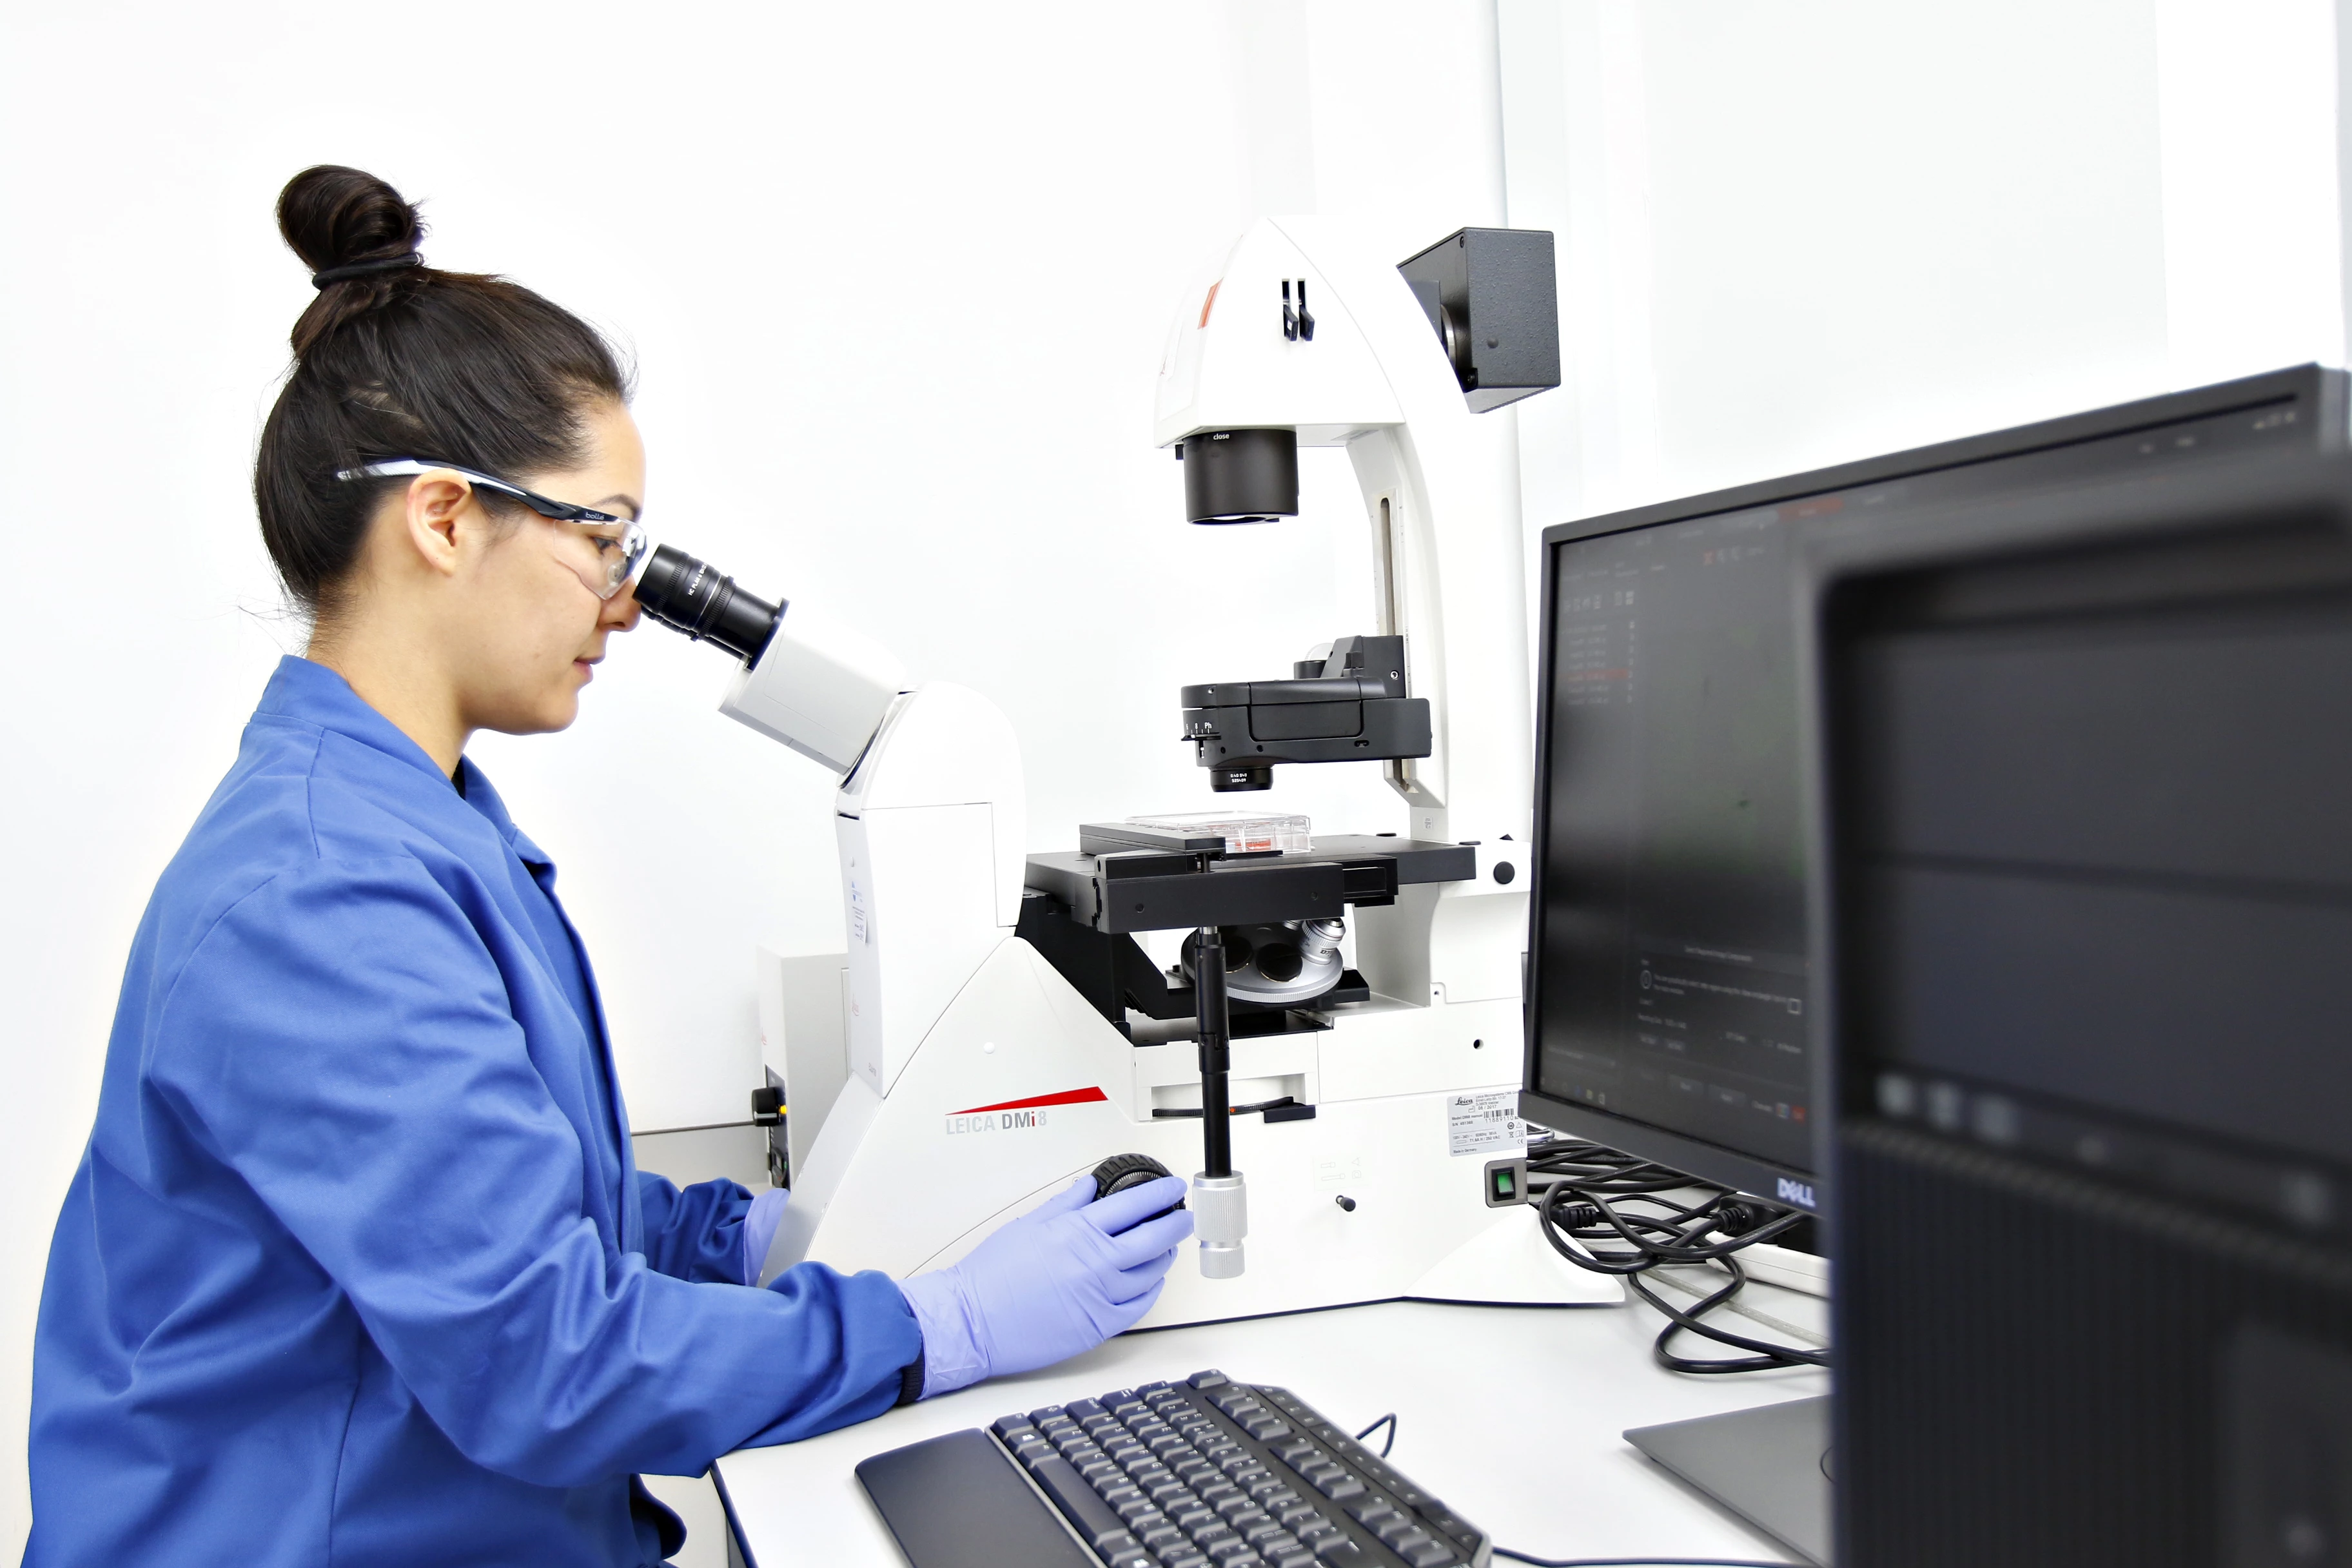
(1506, 1183)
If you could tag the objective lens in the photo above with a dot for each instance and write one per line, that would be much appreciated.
(691, 596)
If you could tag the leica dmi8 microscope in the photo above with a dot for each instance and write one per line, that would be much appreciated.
(991, 1046)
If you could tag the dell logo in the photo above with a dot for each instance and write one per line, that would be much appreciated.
(1797, 1193)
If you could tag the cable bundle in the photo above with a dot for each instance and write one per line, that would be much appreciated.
(1599, 1196)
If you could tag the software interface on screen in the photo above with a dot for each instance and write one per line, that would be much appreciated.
(1674, 929)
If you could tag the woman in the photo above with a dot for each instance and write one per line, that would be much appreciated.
(356, 1267)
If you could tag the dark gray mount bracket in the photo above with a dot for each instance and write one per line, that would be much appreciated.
(1081, 908)
(1493, 299)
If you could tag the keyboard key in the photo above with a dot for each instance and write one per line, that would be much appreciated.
(1266, 1427)
(1120, 1494)
(1096, 1523)
(1428, 1554)
(1259, 1531)
(1078, 1410)
(1161, 1536)
(1233, 1553)
(1190, 1557)
(1295, 1451)
(1338, 1487)
(1138, 1512)
(1295, 1513)
(1291, 1556)
(1009, 1426)
(1198, 1516)
(1166, 1492)
(1371, 1512)
(1210, 1379)
(1127, 1557)
(1399, 1533)
(1209, 1537)
(1338, 1552)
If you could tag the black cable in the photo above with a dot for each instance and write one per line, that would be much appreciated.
(1388, 1421)
(1617, 1210)
(1636, 1561)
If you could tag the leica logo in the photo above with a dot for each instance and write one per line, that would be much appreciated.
(1016, 1115)
(997, 1122)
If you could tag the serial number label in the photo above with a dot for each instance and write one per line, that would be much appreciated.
(1482, 1124)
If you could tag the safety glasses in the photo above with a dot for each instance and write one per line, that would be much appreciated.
(620, 543)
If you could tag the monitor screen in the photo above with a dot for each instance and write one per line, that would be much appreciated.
(1673, 939)
(1669, 987)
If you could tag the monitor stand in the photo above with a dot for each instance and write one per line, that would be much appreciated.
(1770, 1464)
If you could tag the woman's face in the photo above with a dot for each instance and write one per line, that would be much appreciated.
(530, 629)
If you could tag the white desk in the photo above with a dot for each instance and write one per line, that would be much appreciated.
(1510, 1413)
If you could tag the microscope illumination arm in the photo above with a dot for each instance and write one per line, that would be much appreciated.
(1439, 483)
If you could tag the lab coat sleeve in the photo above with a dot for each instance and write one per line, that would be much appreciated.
(697, 1232)
(342, 1038)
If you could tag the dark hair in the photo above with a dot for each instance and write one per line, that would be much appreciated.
(406, 362)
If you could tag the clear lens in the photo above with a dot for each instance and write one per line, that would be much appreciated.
(604, 555)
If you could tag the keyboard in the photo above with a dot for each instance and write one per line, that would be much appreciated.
(1205, 1473)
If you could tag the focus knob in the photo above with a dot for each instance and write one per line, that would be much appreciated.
(1121, 1172)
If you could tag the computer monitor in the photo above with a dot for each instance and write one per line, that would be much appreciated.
(1669, 978)
(2083, 909)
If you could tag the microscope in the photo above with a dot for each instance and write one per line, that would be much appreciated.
(1352, 1001)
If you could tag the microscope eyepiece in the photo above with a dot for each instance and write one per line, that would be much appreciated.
(691, 596)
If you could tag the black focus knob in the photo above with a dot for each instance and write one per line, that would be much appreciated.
(1121, 1172)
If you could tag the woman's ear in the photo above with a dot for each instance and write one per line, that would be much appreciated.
(434, 503)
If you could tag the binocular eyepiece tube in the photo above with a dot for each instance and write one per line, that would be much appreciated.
(693, 598)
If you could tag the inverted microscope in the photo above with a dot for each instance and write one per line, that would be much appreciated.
(994, 1028)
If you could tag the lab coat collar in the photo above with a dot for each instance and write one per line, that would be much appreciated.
(311, 693)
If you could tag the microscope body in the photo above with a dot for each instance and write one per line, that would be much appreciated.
(976, 1080)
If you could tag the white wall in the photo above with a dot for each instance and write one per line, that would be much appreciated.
(896, 278)
(1797, 232)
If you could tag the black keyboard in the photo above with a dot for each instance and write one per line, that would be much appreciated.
(1207, 1473)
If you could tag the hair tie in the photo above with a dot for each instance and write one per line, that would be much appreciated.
(363, 268)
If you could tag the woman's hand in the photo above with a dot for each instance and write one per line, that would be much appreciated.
(1060, 1280)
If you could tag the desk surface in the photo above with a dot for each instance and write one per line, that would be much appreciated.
(1510, 1413)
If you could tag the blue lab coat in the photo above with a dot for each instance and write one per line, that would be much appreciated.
(357, 1268)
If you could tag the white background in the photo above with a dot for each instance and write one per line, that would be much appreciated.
(896, 278)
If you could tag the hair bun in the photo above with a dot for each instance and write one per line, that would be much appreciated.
(333, 217)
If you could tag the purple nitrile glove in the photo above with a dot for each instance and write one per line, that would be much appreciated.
(760, 1230)
(1061, 1278)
